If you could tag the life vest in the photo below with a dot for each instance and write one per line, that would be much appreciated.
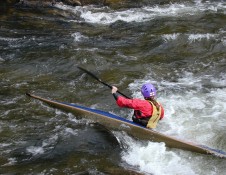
(154, 118)
(156, 114)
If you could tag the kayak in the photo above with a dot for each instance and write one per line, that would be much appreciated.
(114, 122)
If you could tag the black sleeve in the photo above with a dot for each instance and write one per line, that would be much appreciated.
(115, 96)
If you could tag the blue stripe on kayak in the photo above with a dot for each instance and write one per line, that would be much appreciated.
(107, 114)
(214, 150)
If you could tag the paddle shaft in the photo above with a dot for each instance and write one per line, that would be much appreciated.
(98, 79)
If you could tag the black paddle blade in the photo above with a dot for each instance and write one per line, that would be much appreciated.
(91, 74)
(28, 94)
(95, 77)
(98, 79)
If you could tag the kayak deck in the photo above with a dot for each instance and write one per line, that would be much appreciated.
(114, 122)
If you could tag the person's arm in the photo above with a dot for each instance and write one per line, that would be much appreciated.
(114, 92)
(121, 101)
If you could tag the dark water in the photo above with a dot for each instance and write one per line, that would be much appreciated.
(180, 47)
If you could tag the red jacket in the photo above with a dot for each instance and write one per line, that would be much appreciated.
(143, 106)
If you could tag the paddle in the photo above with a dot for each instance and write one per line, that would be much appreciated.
(98, 79)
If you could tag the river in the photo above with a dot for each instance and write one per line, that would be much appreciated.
(179, 47)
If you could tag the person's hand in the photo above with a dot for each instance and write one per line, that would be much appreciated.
(114, 89)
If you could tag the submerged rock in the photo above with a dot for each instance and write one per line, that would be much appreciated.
(46, 3)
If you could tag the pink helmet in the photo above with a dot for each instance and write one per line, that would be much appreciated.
(148, 90)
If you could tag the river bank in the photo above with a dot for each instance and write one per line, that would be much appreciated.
(111, 3)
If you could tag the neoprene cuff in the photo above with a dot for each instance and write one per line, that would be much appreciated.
(115, 96)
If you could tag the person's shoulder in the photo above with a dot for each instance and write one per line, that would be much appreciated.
(140, 100)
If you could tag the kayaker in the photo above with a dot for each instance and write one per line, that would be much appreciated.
(147, 111)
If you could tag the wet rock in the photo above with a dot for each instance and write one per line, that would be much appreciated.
(72, 2)
(36, 3)
(45, 3)
(112, 3)
(12, 1)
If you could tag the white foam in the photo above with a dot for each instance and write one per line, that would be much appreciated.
(101, 16)
(223, 41)
(9, 39)
(11, 161)
(70, 131)
(50, 141)
(193, 37)
(191, 114)
(1, 59)
(168, 37)
(199, 37)
(35, 150)
(106, 16)
(2, 145)
(154, 158)
(111, 17)
(78, 36)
